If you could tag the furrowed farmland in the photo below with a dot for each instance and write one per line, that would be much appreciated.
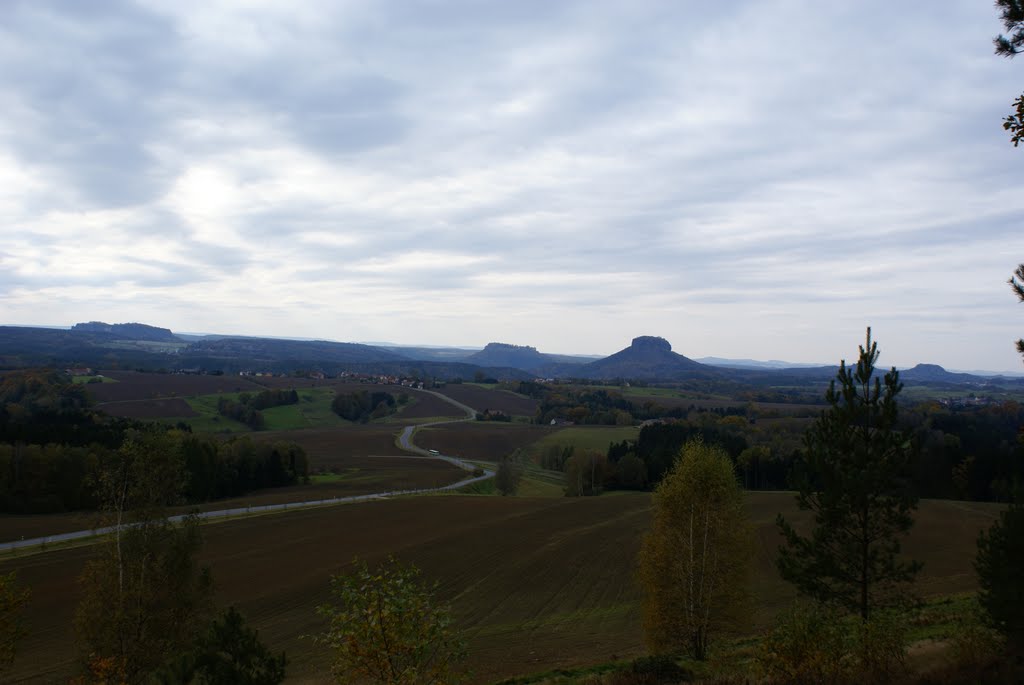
(483, 398)
(535, 583)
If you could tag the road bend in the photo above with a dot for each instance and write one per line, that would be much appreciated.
(404, 442)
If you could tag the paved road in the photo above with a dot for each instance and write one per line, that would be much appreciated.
(404, 441)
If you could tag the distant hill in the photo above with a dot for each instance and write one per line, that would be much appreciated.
(127, 331)
(647, 357)
(753, 363)
(258, 350)
(933, 373)
(514, 356)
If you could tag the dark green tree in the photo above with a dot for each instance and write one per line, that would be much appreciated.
(854, 477)
(1000, 567)
(1011, 12)
(508, 474)
(1018, 288)
(231, 653)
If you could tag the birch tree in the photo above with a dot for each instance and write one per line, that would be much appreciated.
(695, 560)
(144, 597)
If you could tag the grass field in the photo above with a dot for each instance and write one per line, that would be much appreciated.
(93, 380)
(584, 438)
(536, 584)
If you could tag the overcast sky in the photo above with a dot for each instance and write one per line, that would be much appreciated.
(755, 179)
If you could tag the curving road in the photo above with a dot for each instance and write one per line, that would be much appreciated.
(404, 442)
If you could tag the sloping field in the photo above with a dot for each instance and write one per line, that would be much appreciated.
(132, 385)
(427, 406)
(354, 476)
(330, 447)
(487, 440)
(535, 583)
(149, 409)
(488, 398)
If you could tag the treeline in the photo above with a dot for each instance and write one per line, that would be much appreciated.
(970, 453)
(53, 448)
(600, 406)
(38, 479)
(248, 408)
(363, 406)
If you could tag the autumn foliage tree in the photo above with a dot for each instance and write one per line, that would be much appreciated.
(144, 596)
(386, 626)
(695, 560)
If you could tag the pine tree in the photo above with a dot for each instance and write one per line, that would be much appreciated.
(854, 478)
(1000, 567)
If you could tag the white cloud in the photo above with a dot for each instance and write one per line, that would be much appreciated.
(752, 180)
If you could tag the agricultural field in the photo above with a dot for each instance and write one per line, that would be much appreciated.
(584, 438)
(357, 475)
(132, 385)
(481, 440)
(536, 584)
(480, 398)
(329, 448)
(193, 399)
(152, 409)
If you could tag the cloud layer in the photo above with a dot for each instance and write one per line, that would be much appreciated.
(760, 180)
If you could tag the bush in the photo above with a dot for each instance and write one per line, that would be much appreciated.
(975, 643)
(657, 669)
(388, 627)
(880, 648)
(807, 645)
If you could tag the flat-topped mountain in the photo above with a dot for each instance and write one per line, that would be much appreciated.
(127, 331)
(514, 356)
(647, 357)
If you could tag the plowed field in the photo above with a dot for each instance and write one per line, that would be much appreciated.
(487, 440)
(149, 409)
(132, 385)
(535, 583)
(486, 398)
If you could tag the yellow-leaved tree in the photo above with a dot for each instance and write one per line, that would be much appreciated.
(695, 561)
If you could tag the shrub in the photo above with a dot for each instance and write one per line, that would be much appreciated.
(880, 647)
(655, 670)
(975, 642)
(807, 645)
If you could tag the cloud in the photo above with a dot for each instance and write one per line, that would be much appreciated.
(754, 180)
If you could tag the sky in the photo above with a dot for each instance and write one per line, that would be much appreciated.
(758, 179)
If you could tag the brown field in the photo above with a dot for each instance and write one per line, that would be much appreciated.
(149, 409)
(132, 385)
(535, 583)
(487, 440)
(329, 447)
(487, 398)
(355, 476)
(427, 406)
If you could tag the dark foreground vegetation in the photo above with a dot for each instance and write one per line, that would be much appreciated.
(53, 447)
